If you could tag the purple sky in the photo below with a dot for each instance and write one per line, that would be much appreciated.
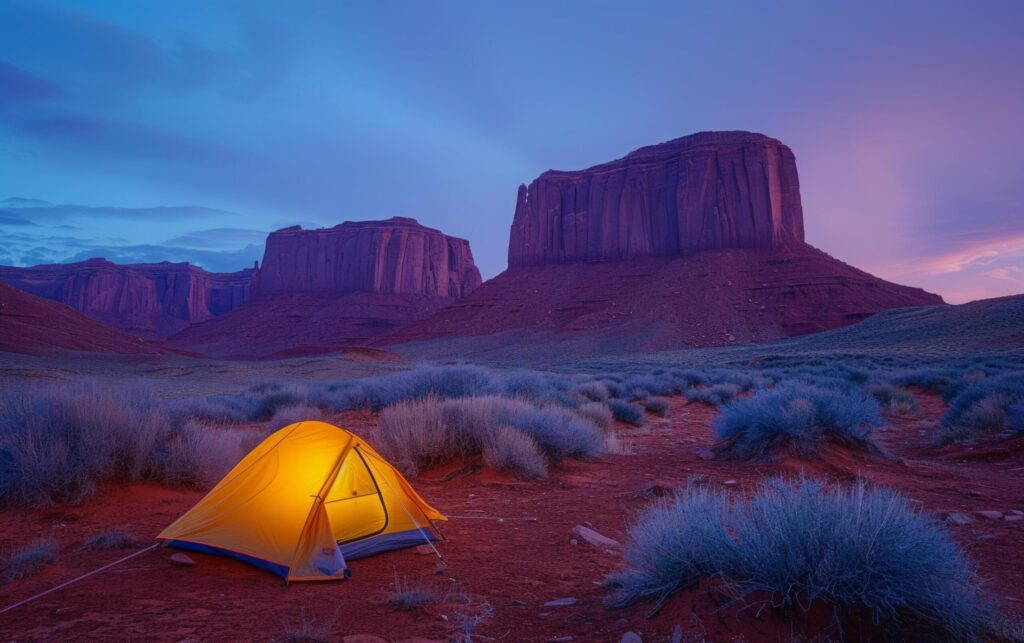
(187, 130)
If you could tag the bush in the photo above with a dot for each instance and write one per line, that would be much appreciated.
(715, 395)
(657, 406)
(58, 444)
(798, 417)
(985, 406)
(116, 539)
(625, 412)
(30, 560)
(509, 449)
(594, 390)
(408, 597)
(292, 414)
(596, 412)
(895, 400)
(796, 543)
(423, 433)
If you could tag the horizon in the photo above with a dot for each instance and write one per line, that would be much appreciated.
(144, 133)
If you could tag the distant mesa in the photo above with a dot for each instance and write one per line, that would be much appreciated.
(326, 289)
(149, 300)
(695, 242)
(395, 256)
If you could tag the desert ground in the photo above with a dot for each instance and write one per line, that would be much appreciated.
(514, 565)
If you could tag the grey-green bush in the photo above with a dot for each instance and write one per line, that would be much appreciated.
(797, 542)
(29, 560)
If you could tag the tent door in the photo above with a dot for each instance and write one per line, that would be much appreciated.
(355, 504)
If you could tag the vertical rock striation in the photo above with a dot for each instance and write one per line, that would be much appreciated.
(396, 256)
(150, 300)
(706, 191)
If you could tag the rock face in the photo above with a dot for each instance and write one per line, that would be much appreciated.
(707, 191)
(37, 326)
(695, 242)
(149, 300)
(324, 290)
(397, 256)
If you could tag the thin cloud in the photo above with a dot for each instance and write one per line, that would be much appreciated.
(75, 211)
(11, 218)
(218, 238)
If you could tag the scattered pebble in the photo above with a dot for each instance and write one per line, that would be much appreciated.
(561, 602)
(593, 537)
(182, 560)
(631, 637)
(1013, 517)
(990, 514)
(705, 453)
(729, 482)
(424, 550)
(958, 518)
(560, 639)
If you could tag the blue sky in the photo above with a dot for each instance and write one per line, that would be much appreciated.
(144, 131)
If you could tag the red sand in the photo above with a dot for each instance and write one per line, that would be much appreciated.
(515, 565)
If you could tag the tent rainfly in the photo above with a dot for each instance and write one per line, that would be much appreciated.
(305, 500)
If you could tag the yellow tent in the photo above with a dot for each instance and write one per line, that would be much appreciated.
(303, 501)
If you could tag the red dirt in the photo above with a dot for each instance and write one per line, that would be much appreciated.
(515, 564)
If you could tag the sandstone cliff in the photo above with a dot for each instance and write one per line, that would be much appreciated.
(706, 191)
(396, 256)
(150, 300)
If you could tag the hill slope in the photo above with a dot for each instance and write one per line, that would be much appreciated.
(33, 325)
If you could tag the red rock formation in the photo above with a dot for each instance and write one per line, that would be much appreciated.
(150, 300)
(694, 242)
(33, 325)
(710, 298)
(396, 256)
(323, 290)
(710, 190)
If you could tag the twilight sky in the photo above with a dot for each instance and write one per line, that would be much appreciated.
(149, 131)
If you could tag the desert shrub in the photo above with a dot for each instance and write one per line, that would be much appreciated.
(198, 455)
(407, 597)
(944, 381)
(797, 417)
(29, 560)
(657, 406)
(714, 395)
(1015, 418)
(594, 390)
(559, 432)
(625, 412)
(596, 412)
(796, 543)
(116, 539)
(895, 400)
(422, 433)
(984, 406)
(537, 387)
(509, 449)
(292, 414)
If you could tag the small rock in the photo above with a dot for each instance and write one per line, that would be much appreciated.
(182, 560)
(594, 538)
(621, 623)
(991, 515)
(561, 602)
(958, 518)
(560, 639)
(729, 482)
(1016, 512)
(573, 541)
(516, 601)
(705, 453)
(1013, 517)
(631, 637)
(424, 550)
(677, 634)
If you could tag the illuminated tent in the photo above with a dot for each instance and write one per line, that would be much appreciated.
(303, 501)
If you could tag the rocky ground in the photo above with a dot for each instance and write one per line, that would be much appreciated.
(514, 568)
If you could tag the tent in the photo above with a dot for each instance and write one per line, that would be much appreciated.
(303, 501)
